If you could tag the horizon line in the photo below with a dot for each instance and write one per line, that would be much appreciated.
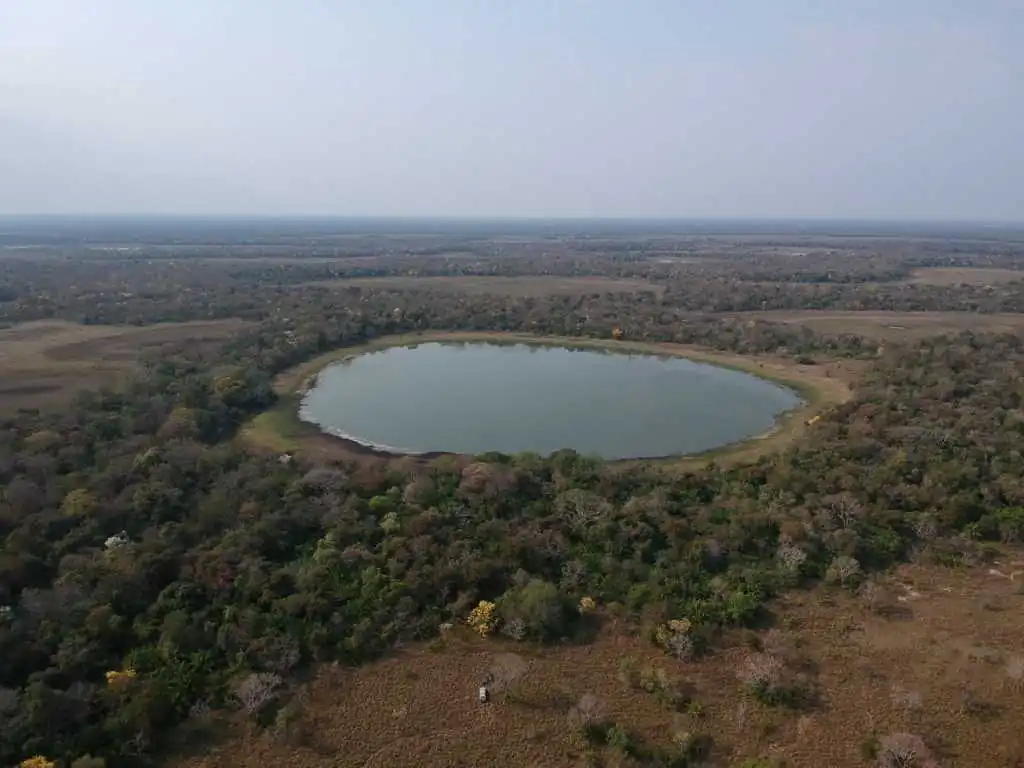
(518, 217)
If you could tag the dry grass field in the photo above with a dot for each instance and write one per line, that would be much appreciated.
(936, 653)
(890, 325)
(476, 285)
(45, 363)
(964, 276)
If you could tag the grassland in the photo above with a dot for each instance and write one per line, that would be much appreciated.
(45, 363)
(949, 276)
(933, 652)
(821, 385)
(528, 286)
(891, 325)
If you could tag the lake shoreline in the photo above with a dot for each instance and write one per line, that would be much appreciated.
(819, 386)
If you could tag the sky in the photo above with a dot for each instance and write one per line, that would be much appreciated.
(878, 109)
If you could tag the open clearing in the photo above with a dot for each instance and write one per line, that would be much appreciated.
(964, 276)
(890, 325)
(821, 385)
(477, 285)
(935, 655)
(45, 363)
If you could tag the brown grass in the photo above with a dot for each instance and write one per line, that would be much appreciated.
(529, 286)
(949, 276)
(890, 325)
(933, 665)
(822, 385)
(45, 363)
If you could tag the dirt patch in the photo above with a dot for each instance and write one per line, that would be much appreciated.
(941, 668)
(890, 325)
(822, 385)
(502, 286)
(964, 276)
(45, 363)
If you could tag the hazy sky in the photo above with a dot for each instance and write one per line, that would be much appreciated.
(690, 108)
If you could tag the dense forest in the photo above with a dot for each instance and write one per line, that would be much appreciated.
(152, 567)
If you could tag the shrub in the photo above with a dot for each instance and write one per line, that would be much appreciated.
(621, 739)
(287, 726)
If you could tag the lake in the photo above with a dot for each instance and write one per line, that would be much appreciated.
(478, 397)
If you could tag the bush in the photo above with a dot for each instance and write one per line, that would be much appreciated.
(621, 739)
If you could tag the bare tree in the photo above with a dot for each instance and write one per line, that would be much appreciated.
(514, 628)
(761, 672)
(904, 750)
(199, 712)
(680, 644)
(840, 511)
(581, 508)
(487, 480)
(843, 570)
(905, 697)
(585, 713)
(256, 691)
(573, 574)
(925, 527)
(1015, 673)
(790, 555)
(777, 643)
(505, 671)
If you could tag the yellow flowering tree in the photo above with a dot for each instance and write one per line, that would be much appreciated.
(482, 618)
(119, 678)
(37, 762)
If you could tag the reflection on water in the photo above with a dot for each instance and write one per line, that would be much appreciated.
(471, 397)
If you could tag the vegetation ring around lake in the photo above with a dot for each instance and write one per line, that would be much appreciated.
(820, 384)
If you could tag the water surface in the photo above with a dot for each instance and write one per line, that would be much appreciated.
(478, 397)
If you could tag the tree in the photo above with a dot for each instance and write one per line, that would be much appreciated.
(538, 605)
(78, 503)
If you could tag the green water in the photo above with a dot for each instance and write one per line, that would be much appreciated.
(479, 397)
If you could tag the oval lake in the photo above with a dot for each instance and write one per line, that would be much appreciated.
(478, 397)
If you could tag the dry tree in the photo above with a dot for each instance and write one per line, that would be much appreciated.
(505, 671)
(904, 750)
(1015, 673)
(585, 714)
(256, 690)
